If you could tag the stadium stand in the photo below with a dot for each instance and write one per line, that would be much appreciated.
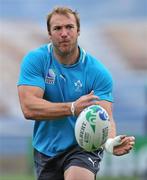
(131, 41)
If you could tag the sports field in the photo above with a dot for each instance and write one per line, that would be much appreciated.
(25, 177)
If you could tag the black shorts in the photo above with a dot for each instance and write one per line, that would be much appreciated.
(53, 168)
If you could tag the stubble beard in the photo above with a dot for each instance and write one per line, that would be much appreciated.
(65, 52)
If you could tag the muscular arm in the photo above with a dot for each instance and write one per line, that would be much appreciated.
(35, 107)
(125, 143)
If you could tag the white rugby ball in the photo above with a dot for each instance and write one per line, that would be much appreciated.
(91, 128)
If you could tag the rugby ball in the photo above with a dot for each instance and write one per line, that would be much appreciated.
(91, 128)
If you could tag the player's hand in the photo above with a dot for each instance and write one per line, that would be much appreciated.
(120, 145)
(126, 145)
(85, 101)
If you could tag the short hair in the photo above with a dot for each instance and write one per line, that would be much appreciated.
(64, 11)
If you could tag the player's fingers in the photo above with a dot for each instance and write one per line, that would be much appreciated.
(127, 140)
(127, 151)
(122, 138)
(132, 138)
(132, 143)
(92, 92)
(130, 148)
(89, 103)
(92, 98)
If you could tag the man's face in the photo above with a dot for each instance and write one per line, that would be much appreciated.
(63, 33)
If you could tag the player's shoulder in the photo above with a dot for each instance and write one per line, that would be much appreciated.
(38, 52)
(36, 56)
(94, 63)
(98, 71)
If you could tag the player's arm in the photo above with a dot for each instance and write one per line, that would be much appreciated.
(35, 107)
(108, 107)
(117, 145)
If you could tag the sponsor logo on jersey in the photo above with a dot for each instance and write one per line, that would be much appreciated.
(50, 77)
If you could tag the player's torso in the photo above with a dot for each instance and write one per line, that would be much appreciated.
(65, 83)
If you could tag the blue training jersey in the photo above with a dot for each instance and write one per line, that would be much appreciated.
(62, 83)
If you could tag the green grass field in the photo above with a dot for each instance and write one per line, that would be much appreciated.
(25, 177)
(16, 177)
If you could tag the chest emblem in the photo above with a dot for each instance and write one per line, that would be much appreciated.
(50, 77)
(78, 86)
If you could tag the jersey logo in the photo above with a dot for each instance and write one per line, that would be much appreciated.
(78, 86)
(50, 77)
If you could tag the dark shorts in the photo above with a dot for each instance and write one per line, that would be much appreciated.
(53, 168)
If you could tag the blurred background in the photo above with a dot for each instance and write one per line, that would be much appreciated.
(115, 31)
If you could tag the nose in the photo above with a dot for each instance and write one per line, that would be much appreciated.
(64, 32)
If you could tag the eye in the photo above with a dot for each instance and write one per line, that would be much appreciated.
(57, 28)
(69, 26)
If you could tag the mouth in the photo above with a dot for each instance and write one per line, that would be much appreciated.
(64, 42)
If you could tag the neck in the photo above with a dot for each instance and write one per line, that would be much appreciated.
(67, 58)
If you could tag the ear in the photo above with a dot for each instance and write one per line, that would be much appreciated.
(78, 32)
(49, 35)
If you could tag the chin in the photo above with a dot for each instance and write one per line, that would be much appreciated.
(65, 51)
